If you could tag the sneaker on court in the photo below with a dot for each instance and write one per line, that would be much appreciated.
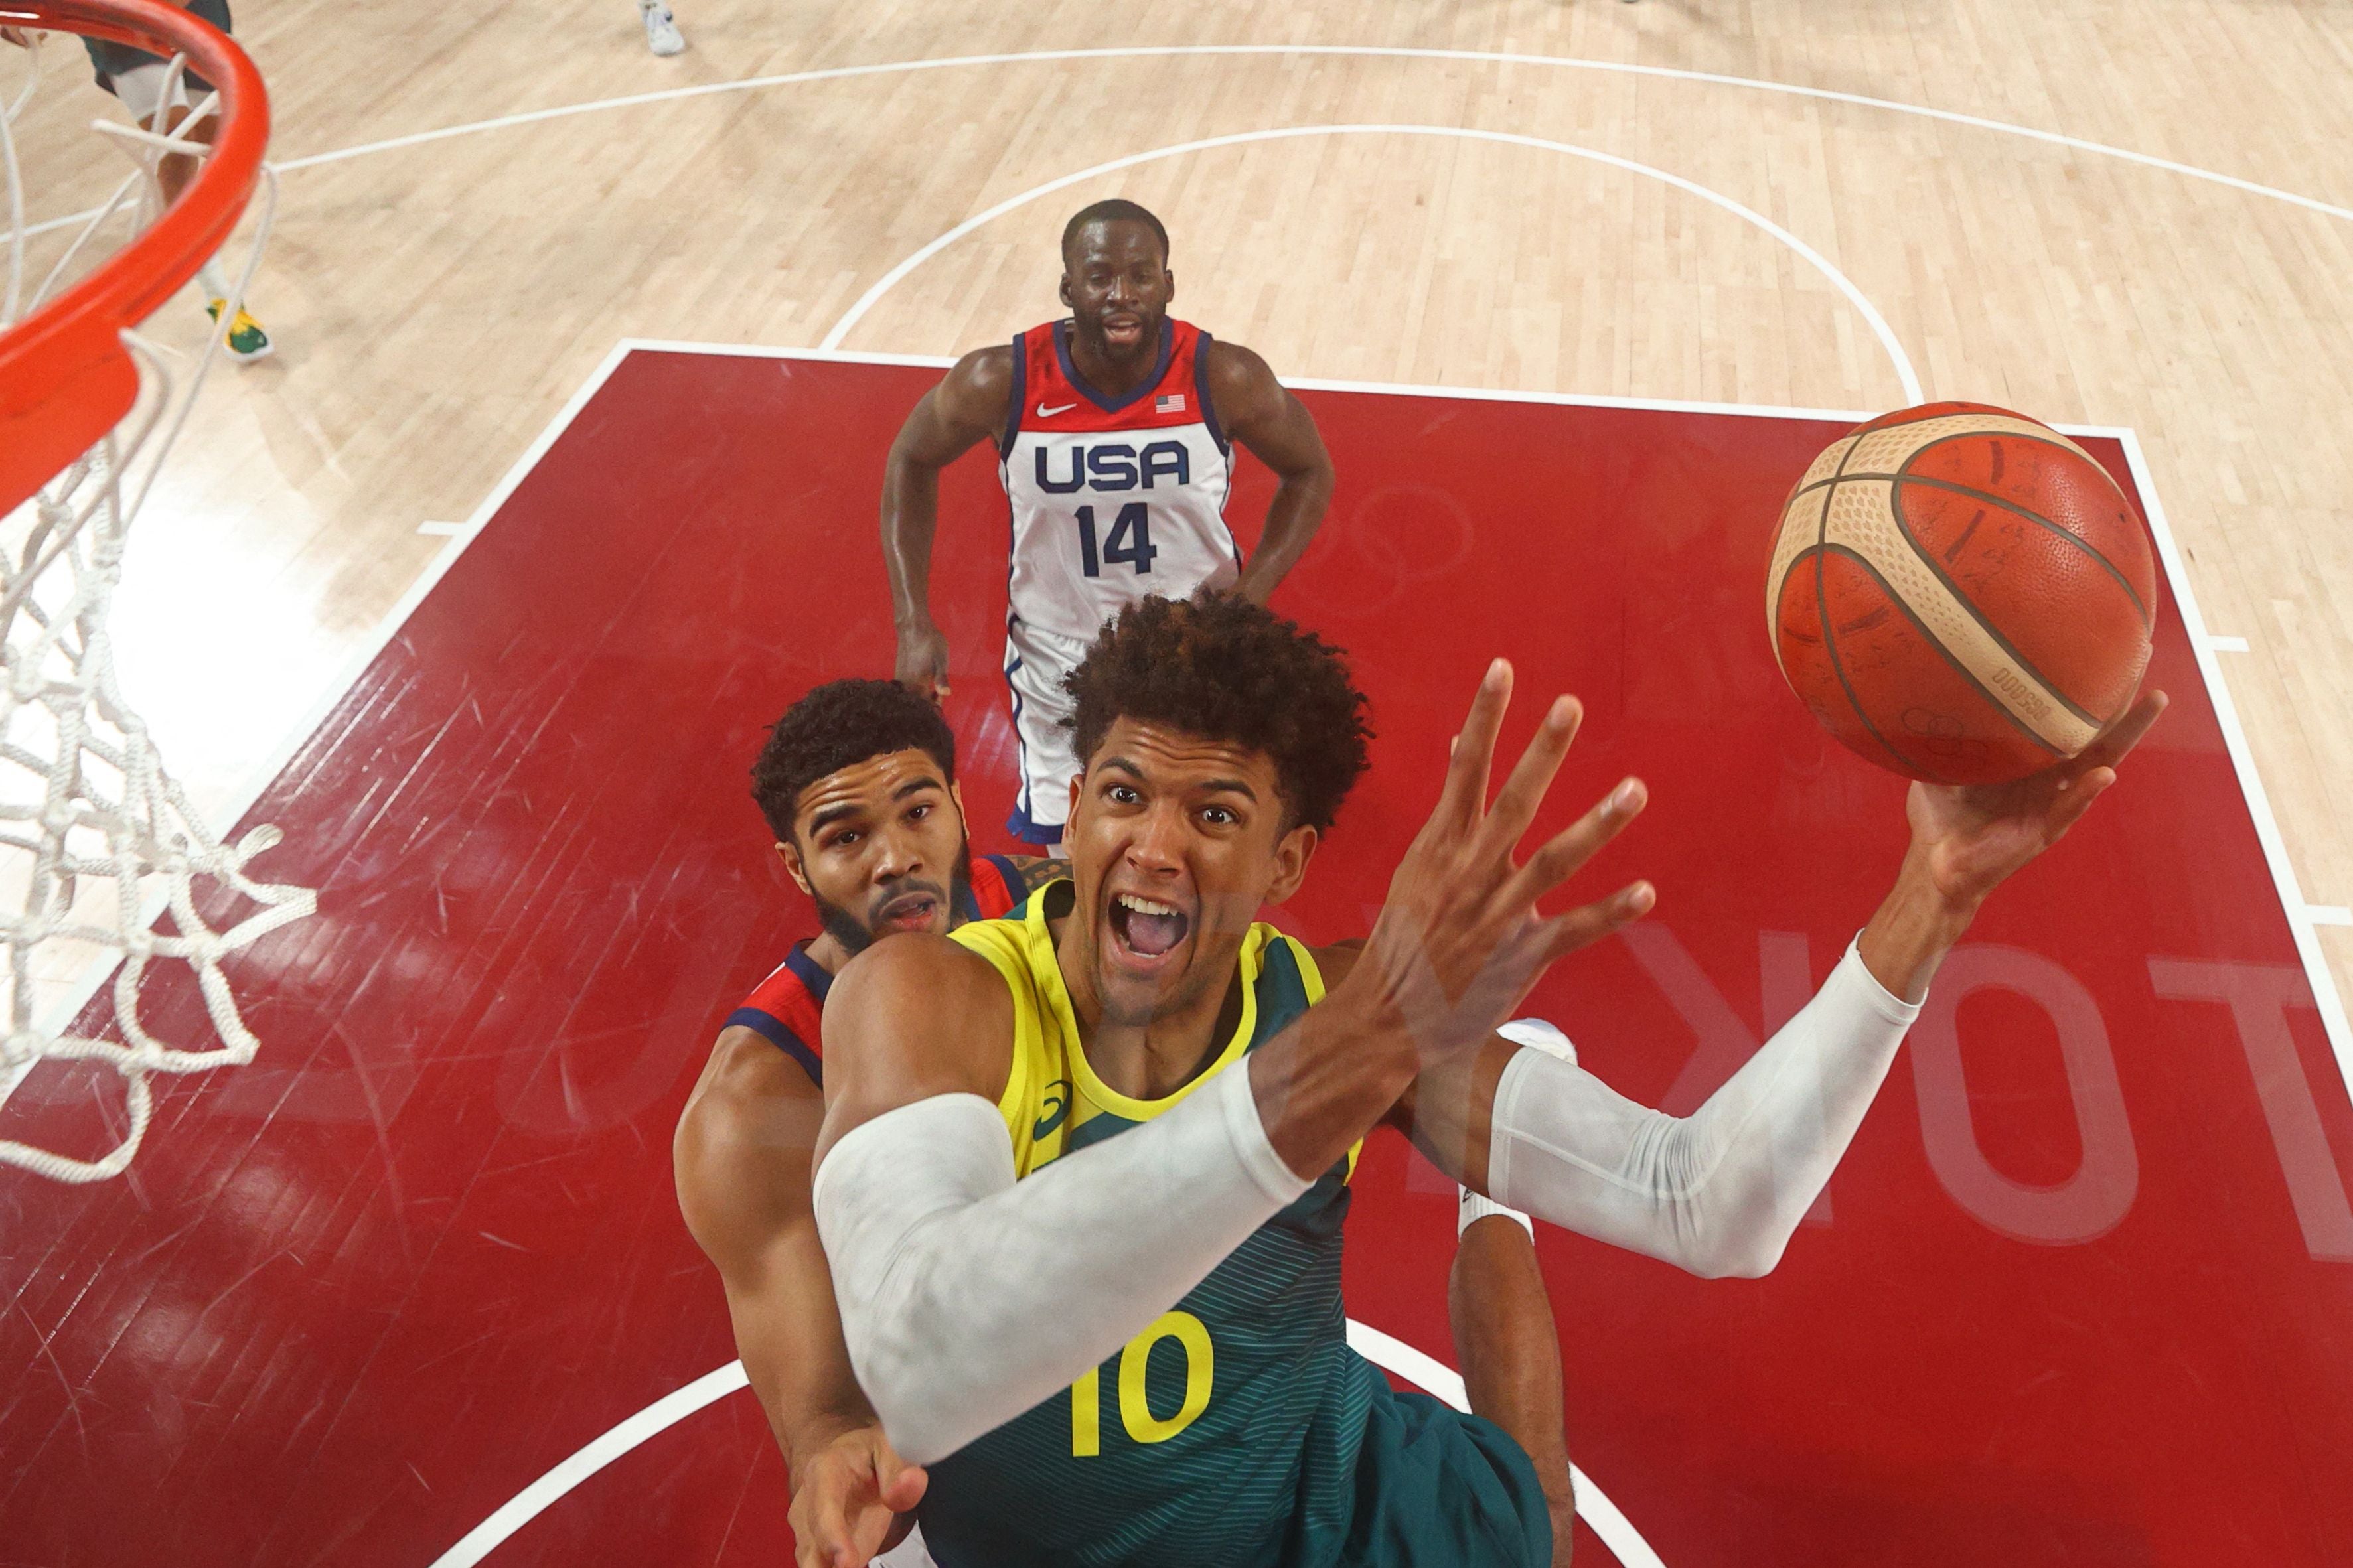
(662, 36)
(247, 341)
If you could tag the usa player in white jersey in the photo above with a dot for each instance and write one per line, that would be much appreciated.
(1114, 430)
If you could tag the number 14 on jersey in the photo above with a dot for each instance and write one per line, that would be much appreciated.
(1130, 543)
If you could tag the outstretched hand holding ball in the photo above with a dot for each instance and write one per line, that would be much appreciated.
(1970, 836)
(1963, 596)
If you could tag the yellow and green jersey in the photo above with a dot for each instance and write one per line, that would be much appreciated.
(1227, 1434)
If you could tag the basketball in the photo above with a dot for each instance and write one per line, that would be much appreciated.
(1960, 594)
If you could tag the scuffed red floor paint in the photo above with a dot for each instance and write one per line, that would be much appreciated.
(354, 1296)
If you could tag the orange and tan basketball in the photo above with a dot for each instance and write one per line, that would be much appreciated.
(1960, 594)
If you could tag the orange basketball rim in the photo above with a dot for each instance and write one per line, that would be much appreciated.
(65, 377)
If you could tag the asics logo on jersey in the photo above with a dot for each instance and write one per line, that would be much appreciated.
(1117, 466)
(1056, 1103)
(1045, 413)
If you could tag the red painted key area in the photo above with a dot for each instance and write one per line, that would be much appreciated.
(2081, 1294)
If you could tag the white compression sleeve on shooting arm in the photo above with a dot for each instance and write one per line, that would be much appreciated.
(967, 1297)
(1718, 1192)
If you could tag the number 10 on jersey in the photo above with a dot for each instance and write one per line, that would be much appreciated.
(1130, 543)
(1135, 1413)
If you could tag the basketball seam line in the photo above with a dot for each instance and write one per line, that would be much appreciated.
(1931, 638)
(2062, 442)
(1822, 611)
(2026, 665)
(1903, 476)
(1907, 476)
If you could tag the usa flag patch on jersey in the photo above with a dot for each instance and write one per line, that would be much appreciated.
(1174, 403)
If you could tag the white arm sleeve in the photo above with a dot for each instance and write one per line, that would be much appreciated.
(967, 1297)
(1718, 1192)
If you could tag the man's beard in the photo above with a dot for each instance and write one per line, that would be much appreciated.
(856, 935)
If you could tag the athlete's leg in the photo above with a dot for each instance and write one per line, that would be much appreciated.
(1509, 1351)
(139, 80)
(148, 92)
(1035, 664)
(142, 91)
(1504, 1337)
(140, 88)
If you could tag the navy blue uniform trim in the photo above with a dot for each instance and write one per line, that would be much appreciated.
(771, 1028)
(1201, 390)
(808, 971)
(1113, 405)
(1021, 746)
(1022, 825)
(1015, 882)
(1020, 397)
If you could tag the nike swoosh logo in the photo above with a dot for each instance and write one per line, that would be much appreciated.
(1045, 413)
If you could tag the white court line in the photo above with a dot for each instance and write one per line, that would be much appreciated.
(1837, 279)
(389, 627)
(1442, 1382)
(1325, 384)
(2329, 914)
(2117, 433)
(2300, 915)
(1349, 51)
(2226, 645)
(534, 1499)
(1392, 1354)
(442, 530)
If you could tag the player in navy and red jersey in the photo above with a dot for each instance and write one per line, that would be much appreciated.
(785, 1008)
(857, 782)
(1114, 431)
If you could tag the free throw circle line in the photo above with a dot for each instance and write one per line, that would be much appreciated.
(1391, 1355)
(1903, 372)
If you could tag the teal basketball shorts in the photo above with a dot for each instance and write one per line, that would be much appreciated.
(112, 60)
(1438, 1489)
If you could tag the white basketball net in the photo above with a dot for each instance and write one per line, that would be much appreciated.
(96, 840)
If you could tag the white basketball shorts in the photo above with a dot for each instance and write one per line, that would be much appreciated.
(1035, 663)
(140, 91)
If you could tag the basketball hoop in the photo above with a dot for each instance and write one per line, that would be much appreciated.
(89, 408)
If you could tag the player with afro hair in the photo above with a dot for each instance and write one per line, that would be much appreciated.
(1220, 668)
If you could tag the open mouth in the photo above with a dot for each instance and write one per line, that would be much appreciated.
(1146, 927)
(1126, 328)
(909, 911)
